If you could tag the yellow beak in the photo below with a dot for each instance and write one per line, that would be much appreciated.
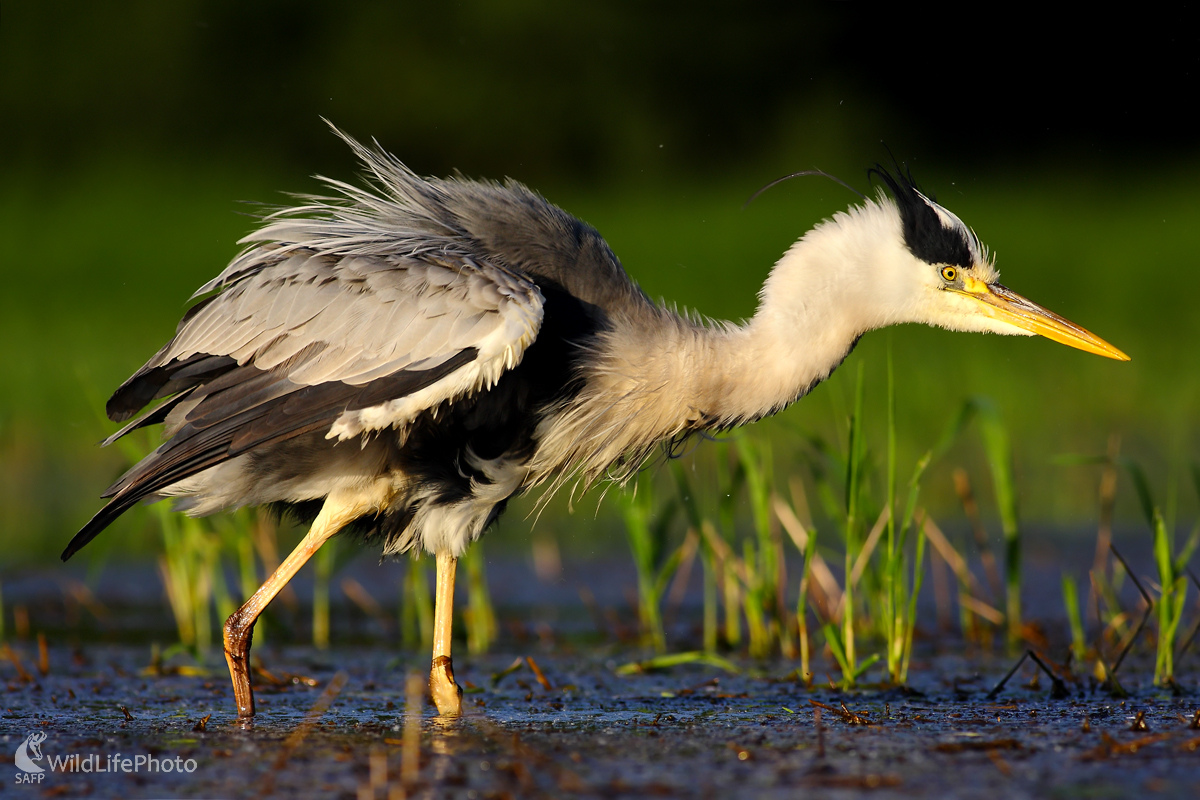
(1006, 305)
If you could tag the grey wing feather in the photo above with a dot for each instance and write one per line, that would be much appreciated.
(361, 318)
(308, 343)
(353, 314)
(316, 342)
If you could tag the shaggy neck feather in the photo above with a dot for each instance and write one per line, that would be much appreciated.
(815, 304)
(657, 374)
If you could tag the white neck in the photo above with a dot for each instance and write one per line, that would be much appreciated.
(819, 298)
(660, 374)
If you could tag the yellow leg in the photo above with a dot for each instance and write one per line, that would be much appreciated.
(239, 628)
(447, 695)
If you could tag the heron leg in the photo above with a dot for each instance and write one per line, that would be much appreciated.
(447, 695)
(239, 628)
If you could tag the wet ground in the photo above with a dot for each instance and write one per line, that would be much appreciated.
(338, 724)
(335, 724)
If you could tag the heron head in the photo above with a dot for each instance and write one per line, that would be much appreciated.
(957, 287)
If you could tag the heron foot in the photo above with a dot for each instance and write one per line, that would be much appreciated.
(237, 656)
(447, 694)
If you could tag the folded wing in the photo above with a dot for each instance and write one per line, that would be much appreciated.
(298, 341)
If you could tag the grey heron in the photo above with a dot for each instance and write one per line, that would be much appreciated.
(405, 357)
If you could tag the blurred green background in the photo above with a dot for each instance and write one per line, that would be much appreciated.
(135, 133)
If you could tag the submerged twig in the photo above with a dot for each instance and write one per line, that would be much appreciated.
(537, 673)
(1112, 673)
(43, 664)
(1110, 747)
(1057, 688)
(846, 714)
(12, 656)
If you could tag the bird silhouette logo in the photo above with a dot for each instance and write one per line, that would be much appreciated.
(29, 752)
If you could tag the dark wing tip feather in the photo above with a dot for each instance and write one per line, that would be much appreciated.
(103, 518)
(244, 409)
(154, 416)
(152, 382)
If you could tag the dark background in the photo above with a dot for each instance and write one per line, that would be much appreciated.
(132, 131)
(595, 92)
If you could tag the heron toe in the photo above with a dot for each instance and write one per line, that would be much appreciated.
(447, 694)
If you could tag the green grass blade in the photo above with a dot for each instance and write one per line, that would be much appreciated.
(480, 615)
(998, 450)
(323, 564)
(851, 530)
(1142, 485)
(1164, 668)
(646, 531)
(1070, 592)
(911, 615)
(416, 607)
(833, 641)
(894, 554)
(675, 660)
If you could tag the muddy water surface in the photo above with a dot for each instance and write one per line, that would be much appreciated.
(334, 724)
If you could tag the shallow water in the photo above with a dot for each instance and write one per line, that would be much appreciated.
(692, 731)
(333, 723)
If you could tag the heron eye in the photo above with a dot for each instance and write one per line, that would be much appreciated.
(949, 274)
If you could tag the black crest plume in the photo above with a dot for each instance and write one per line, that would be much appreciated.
(925, 233)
